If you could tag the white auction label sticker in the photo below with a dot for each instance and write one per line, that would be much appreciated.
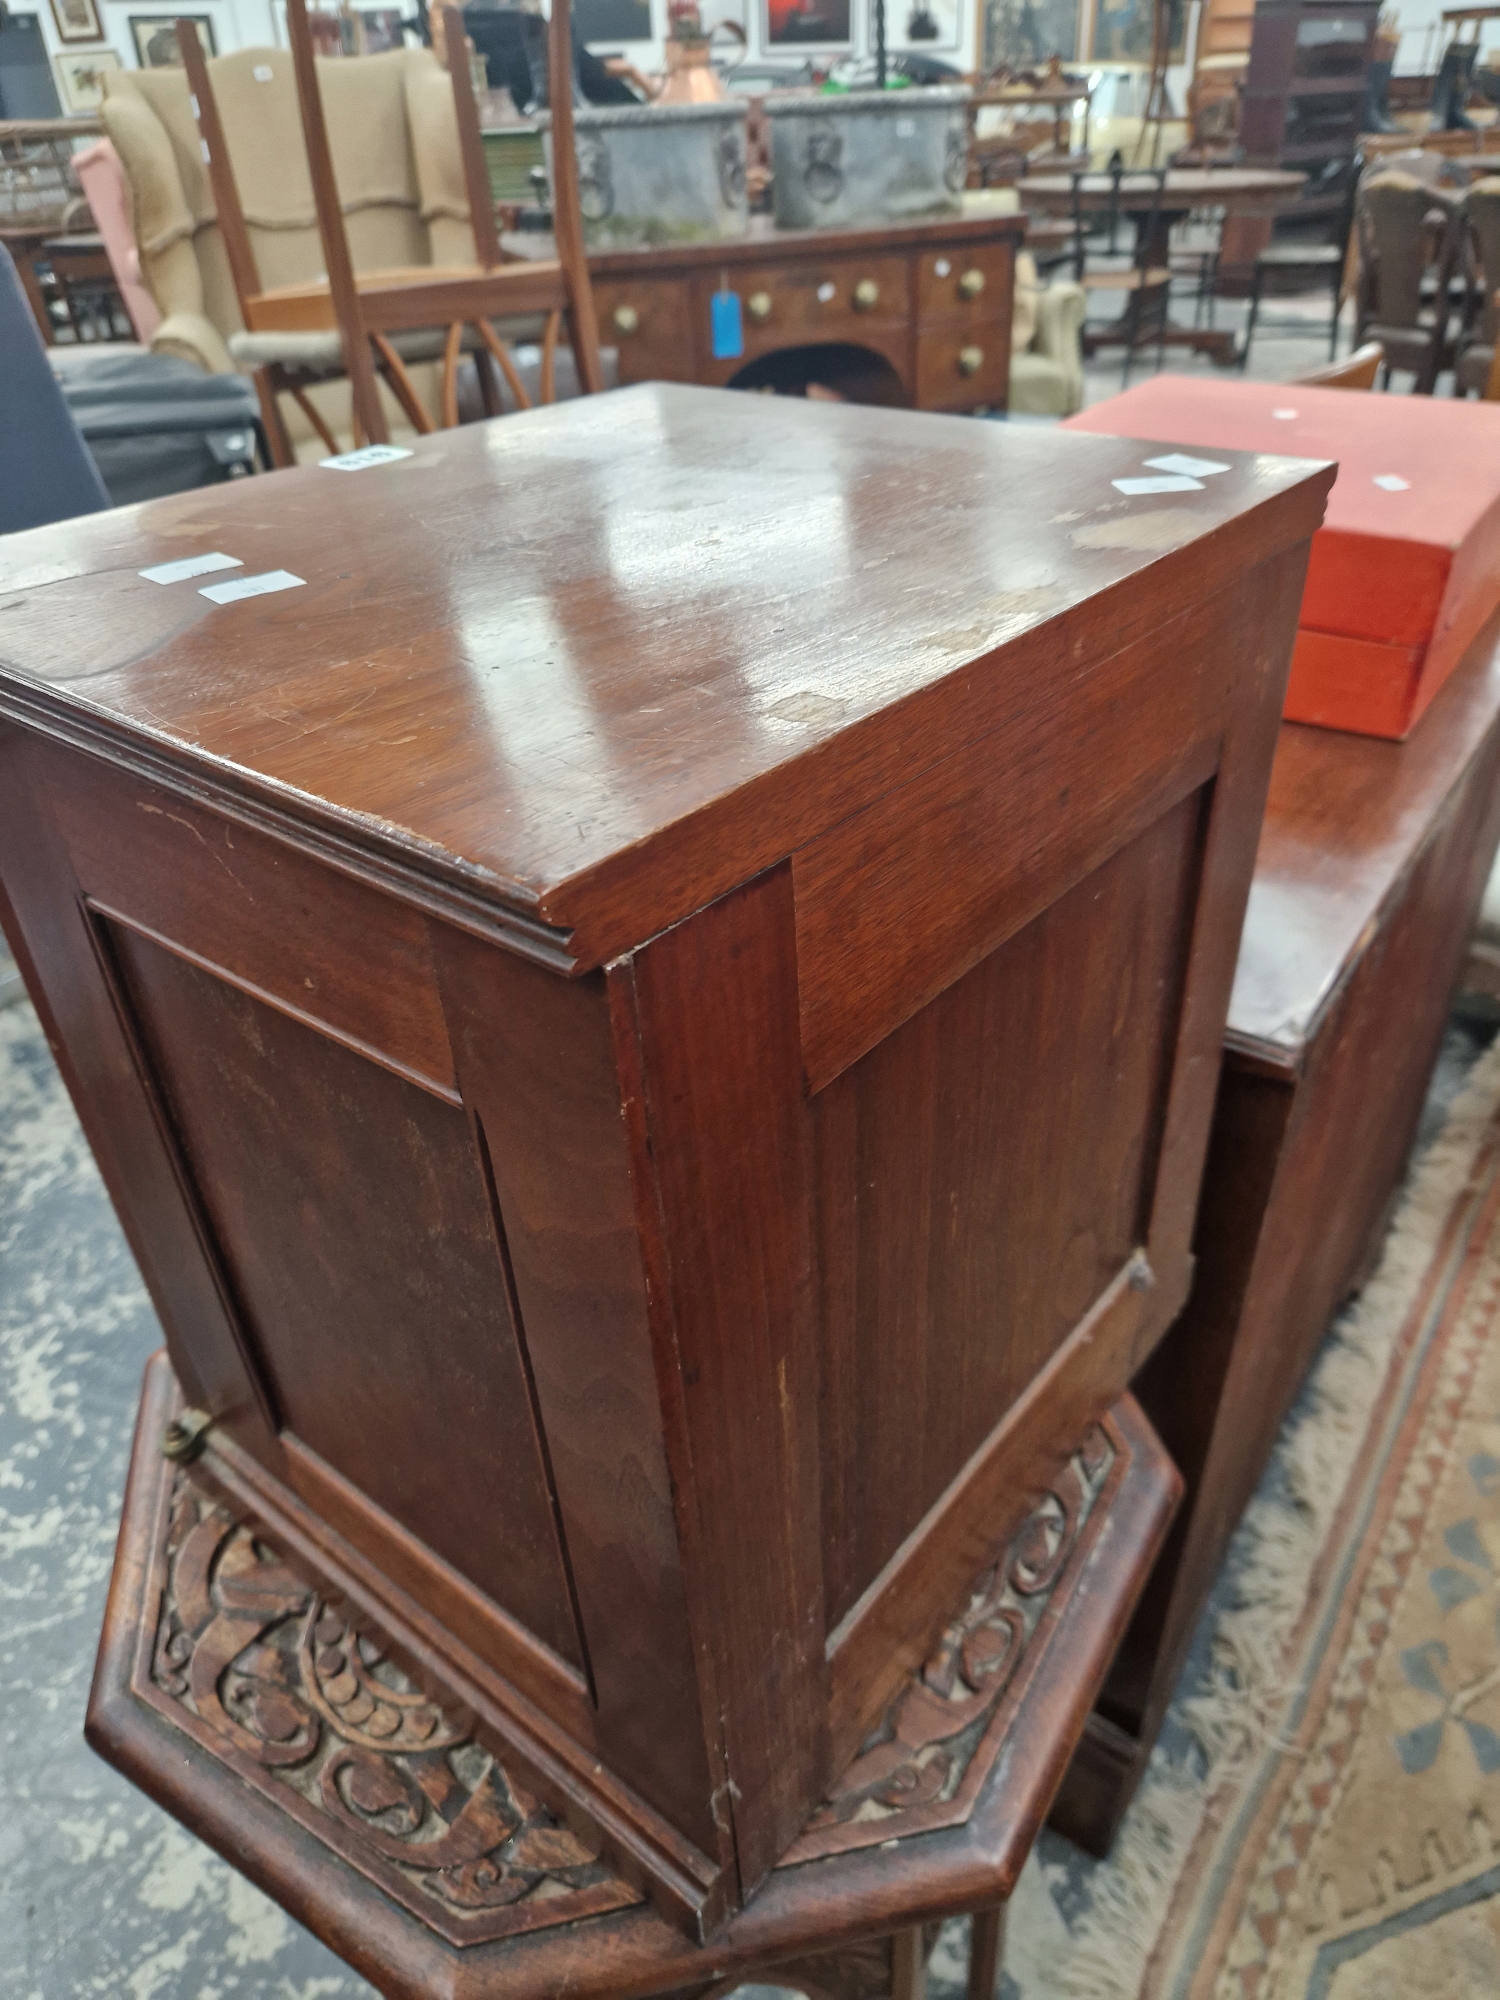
(1285, 416)
(252, 586)
(179, 572)
(369, 454)
(1190, 468)
(1168, 484)
(1391, 482)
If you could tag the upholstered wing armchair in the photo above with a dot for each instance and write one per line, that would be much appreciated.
(1046, 363)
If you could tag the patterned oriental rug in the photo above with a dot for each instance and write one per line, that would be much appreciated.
(1333, 1832)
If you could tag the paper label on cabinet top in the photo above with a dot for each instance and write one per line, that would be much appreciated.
(252, 586)
(1391, 482)
(1190, 468)
(179, 572)
(1167, 484)
(369, 454)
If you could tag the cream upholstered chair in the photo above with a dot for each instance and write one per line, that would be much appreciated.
(1046, 360)
(402, 184)
(1046, 327)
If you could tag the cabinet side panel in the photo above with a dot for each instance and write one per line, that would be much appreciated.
(534, 1060)
(999, 1160)
(350, 1214)
(730, 1154)
(55, 944)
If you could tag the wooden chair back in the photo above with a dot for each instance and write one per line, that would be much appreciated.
(238, 249)
(370, 307)
(1356, 371)
(1480, 212)
(1396, 244)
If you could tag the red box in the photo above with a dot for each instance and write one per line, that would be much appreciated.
(1402, 576)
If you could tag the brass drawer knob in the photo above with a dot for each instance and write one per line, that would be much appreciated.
(866, 295)
(970, 360)
(971, 284)
(627, 319)
(758, 305)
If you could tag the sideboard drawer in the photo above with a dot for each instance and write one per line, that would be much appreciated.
(811, 300)
(970, 284)
(650, 322)
(961, 366)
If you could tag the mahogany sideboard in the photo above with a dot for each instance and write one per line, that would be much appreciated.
(932, 299)
(1371, 866)
(651, 1018)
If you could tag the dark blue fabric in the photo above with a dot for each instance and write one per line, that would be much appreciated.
(46, 473)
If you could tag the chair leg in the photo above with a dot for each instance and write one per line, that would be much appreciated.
(1132, 328)
(309, 410)
(489, 383)
(1255, 284)
(369, 417)
(451, 348)
(1333, 318)
(908, 1965)
(402, 387)
(986, 1952)
(549, 356)
(1162, 305)
(278, 443)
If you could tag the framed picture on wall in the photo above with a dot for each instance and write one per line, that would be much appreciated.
(1024, 34)
(383, 31)
(78, 20)
(155, 37)
(80, 76)
(821, 24)
(1122, 31)
(613, 20)
(922, 24)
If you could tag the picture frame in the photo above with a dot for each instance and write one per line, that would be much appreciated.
(918, 27)
(382, 29)
(1121, 31)
(1023, 35)
(155, 38)
(77, 20)
(613, 21)
(80, 76)
(809, 24)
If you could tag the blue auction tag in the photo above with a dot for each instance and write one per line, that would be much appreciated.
(727, 326)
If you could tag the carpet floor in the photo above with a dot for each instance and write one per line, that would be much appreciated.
(1319, 1821)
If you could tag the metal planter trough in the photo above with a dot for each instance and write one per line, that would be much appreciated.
(654, 174)
(868, 156)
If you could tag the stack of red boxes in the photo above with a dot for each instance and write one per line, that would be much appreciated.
(1406, 567)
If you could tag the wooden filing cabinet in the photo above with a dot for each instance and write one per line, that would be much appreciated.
(651, 1018)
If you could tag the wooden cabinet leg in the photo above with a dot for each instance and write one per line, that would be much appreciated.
(909, 1965)
(986, 1950)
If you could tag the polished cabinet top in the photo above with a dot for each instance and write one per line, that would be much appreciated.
(596, 663)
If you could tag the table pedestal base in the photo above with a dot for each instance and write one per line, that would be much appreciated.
(383, 1812)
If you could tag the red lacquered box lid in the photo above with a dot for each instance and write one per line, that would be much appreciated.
(1409, 552)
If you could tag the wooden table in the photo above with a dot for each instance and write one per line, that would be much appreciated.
(1370, 870)
(1239, 191)
(925, 307)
